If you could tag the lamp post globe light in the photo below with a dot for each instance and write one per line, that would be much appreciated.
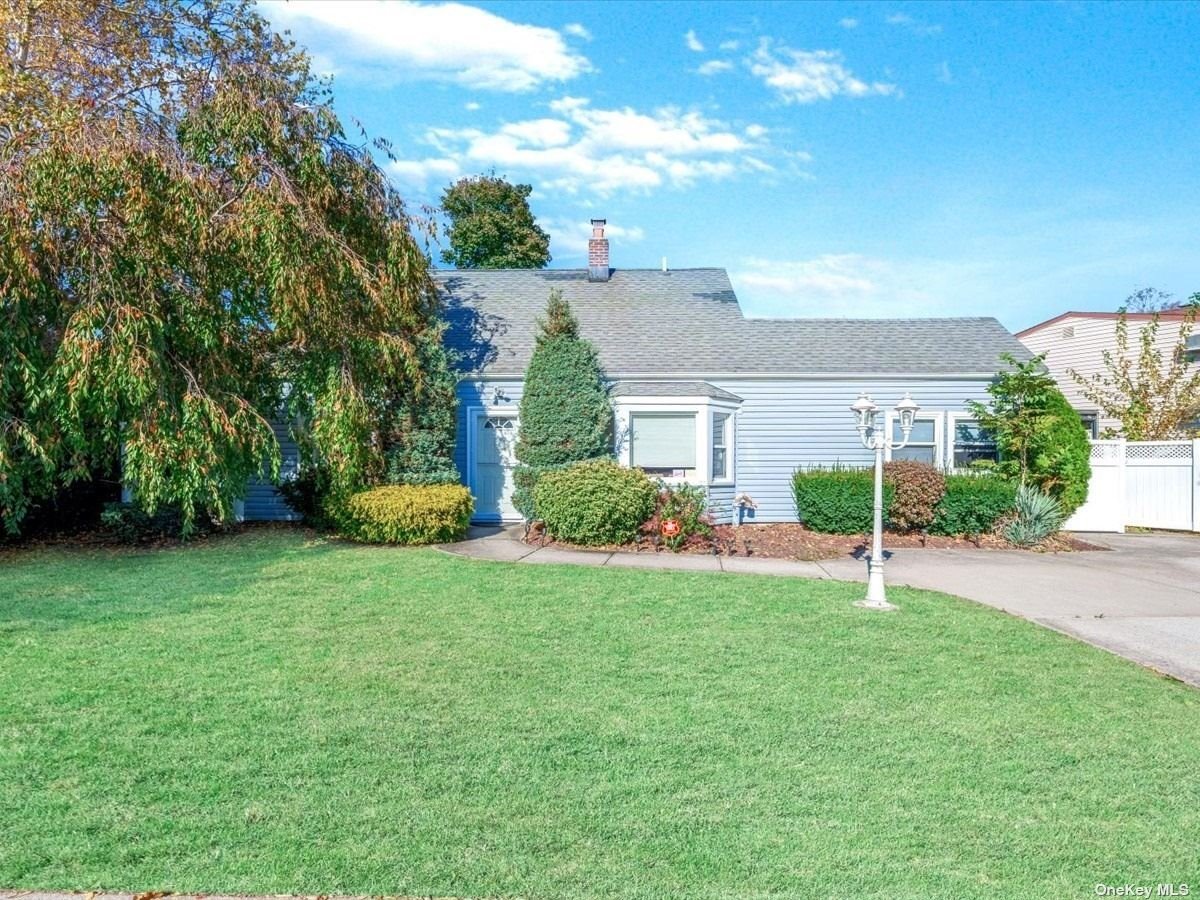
(872, 432)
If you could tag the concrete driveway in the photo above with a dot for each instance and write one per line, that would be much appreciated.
(1140, 599)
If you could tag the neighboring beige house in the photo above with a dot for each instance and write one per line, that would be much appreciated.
(1077, 340)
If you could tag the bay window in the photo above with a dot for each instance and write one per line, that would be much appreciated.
(676, 430)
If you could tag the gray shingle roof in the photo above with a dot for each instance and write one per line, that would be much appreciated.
(687, 322)
(672, 389)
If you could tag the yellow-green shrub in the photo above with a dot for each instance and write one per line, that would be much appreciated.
(407, 514)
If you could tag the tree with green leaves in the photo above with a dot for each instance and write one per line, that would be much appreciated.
(1041, 439)
(566, 415)
(490, 226)
(1155, 395)
(189, 245)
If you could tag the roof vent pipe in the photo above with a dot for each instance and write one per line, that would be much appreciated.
(598, 252)
(664, 265)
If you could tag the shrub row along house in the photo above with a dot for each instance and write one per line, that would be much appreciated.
(701, 393)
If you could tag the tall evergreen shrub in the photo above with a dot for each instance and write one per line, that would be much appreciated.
(565, 412)
(1042, 440)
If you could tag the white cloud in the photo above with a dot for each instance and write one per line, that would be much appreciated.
(806, 76)
(714, 67)
(420, 172)
(944, 75)
(471, 106)
(826, 277)
(848, 23)
(576, 29)
(916, 26)
(693, 42)
(569, 237)
(729, 46)
(436, 41)
(583, 149)
(539, 132)
(852, 284)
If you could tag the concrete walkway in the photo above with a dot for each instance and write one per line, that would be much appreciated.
(1139, 599)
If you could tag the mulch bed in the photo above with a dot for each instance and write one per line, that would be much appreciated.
(784, 540)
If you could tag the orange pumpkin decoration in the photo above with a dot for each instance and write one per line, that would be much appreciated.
(671, 528)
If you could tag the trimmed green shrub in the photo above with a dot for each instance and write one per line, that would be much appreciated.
(1061, 455)
(973, 504)
(525, 479)
(918, 487)
(597, 502)
(1038, 516)
(838, 500)
(687, 504)
(407, 514)
(565, 412)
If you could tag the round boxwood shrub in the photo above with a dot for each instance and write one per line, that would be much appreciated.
(593, 503)
(407, 514)
(918, 487)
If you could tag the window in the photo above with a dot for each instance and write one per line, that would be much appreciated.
(972, 442)
(922, 443)
(720, 447)
(1091, 421)
(663, 443)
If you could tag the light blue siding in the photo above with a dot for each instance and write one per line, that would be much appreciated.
(504, 394)
(781, 425)
(786, 424)
(263, 502)
(720, 503)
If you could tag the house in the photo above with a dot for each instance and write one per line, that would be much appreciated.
(1078, 340)
(704, 394)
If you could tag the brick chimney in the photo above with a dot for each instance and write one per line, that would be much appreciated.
(598, 252)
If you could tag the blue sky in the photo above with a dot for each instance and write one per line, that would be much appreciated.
(874, 159)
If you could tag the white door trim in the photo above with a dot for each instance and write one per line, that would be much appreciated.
(474, 414)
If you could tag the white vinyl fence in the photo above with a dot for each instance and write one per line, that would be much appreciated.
(1144, 484)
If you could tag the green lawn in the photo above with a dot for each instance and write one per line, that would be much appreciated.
(275, 713)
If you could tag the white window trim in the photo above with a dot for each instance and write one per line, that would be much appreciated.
(703, 408)
(939, 435)
(730, 476)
